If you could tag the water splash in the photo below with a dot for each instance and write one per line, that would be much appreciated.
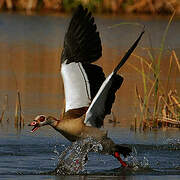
(174, 143)
(136, 163)
(73, 159)
(56, 151)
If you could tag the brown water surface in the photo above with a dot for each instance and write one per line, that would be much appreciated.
(30, 48)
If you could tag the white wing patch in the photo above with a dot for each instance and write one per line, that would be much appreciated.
(76, 86)
(97, 107)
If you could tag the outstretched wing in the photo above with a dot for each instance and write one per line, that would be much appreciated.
(102, 102)
(82, 45)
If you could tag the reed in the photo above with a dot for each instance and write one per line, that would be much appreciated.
(19, 120)
(166, 103)
(164, 109)
(5, 109)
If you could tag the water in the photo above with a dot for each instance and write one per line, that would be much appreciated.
(30, 48)
(40, 155)
(73, 159)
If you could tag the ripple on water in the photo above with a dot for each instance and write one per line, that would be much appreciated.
(42, 155)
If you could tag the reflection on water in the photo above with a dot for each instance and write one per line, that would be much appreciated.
(30, 48)
(38, 154)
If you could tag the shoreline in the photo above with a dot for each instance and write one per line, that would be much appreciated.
(104, 7)
(125, 16)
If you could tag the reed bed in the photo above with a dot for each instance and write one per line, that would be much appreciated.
(101, 6)
(159, 104)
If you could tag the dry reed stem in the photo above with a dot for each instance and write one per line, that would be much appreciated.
(170, 101)
(156, 110)
(19, 120)
(20, 112)
(2, 115)
(169, 108)
(177, 61)
(169, 72)
(141, 105)
(5, 108)
(169, 120)
(135, 122)
(164, 111)
(16, 113)
(176, 102)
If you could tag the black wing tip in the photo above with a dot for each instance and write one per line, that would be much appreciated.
(142, 32)
(128, 53)
(82, 41)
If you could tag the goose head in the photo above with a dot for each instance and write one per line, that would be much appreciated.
(41, 120)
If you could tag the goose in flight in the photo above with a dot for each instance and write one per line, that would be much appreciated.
(88, 94)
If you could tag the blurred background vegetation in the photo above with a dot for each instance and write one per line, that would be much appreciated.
(99, 6)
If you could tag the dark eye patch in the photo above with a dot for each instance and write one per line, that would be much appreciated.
(42, 118)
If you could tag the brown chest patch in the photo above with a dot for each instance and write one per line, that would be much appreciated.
(71, 127)
(75, 113)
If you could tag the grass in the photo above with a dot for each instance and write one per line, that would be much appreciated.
(159, 105)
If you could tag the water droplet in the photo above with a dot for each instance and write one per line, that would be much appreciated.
(73, 159)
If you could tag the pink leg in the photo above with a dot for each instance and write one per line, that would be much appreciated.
(116, 155)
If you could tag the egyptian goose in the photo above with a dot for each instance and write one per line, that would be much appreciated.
(88, 94)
